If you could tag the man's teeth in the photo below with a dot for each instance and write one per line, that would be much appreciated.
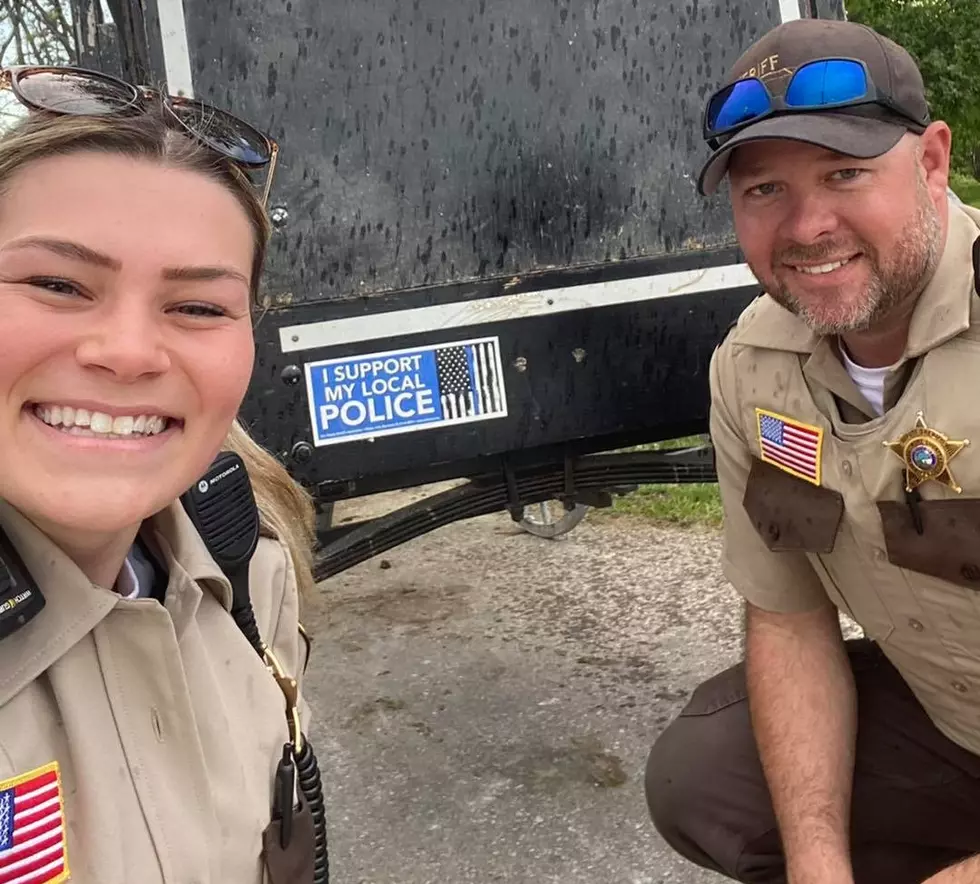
(82, 422)
(823, 268)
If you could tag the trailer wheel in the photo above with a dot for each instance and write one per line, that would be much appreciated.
(550, 519)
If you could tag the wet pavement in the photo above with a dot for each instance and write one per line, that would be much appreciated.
(486, 699)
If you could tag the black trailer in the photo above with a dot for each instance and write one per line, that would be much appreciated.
(490, 261)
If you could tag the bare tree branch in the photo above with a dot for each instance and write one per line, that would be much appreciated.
(42, 31)
(18, 27)
(6, 44)
(52, 12)
(50, 17)
(37, 53)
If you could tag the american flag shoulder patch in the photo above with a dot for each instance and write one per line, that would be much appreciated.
(33, 848)
(790, 445)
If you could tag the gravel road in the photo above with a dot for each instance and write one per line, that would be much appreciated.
(486, 699)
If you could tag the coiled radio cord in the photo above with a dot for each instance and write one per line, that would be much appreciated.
(307, 768)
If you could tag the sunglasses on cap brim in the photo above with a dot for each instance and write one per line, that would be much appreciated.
(76, 91)
(820, 85)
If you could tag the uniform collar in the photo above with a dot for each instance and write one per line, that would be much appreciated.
(182, 548)
(941, 313)
(943, 310)
(74, 606)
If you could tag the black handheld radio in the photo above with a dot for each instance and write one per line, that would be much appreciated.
(222, 507)
(20, 598)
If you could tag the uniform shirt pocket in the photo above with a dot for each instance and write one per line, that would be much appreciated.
(948, 546)
(791, 515)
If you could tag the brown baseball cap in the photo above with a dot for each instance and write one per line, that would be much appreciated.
(864, 131)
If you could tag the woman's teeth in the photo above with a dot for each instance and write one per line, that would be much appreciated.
(81, 422)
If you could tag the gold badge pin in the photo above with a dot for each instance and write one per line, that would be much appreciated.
(926, 454)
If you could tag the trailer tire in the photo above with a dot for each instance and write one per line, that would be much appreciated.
(539, 520)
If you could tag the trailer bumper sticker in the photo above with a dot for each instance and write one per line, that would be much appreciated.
(400, 391)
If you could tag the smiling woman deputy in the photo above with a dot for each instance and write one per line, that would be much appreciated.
(140, 733)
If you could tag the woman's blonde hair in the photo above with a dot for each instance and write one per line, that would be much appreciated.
(286, 508)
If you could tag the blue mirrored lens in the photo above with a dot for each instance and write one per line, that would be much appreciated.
(743, 101)
(827, 82)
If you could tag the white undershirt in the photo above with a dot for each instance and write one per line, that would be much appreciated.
(128, 584)
(870, 381)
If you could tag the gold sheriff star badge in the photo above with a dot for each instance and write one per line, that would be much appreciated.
(926, 454)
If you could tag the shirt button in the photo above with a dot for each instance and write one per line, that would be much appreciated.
(959, 686)
(879, 555)
(916, 625)
(846, 467)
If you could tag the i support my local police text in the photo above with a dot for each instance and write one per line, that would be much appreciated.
(375, 391)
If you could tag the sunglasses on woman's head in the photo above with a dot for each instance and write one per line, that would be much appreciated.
(70, 90)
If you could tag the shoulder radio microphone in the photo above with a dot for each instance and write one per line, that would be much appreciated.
(222, 507)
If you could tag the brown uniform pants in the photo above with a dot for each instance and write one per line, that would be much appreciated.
(916, 801)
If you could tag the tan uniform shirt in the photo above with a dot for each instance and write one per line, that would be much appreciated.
(163, 722)
(815, 502)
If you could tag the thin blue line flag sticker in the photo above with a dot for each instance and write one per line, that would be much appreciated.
(400, 391)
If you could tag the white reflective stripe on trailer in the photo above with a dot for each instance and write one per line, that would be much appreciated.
(459, 314)
(789, 10)
(176, 54)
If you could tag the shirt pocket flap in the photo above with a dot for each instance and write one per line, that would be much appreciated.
(791, 515)
(948, 546)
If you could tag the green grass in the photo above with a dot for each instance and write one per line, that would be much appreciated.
(692, 505)
(966, 188)
(685, 505)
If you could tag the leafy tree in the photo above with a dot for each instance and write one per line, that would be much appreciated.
(944, 38)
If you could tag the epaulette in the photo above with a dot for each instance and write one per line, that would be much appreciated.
(725, 334)
(738, 319)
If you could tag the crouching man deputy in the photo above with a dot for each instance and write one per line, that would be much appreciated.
(845, 420)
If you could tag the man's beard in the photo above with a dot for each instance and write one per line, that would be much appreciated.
(893, 281)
